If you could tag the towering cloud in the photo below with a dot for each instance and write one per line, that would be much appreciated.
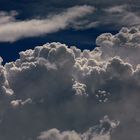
(56, 92)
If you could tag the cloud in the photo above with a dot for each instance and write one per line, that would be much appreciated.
(112, 14)
(116, 9)
(62, 91)
(85, 24)
(80, 17)
(121, 15)
(121, 44)
(7, 17)
(99, 132)
(13, 29)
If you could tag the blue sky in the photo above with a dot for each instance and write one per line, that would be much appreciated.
(97, 17)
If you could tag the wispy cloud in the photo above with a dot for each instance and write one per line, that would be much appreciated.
(115, 9)
(11, 29)
(120, 15)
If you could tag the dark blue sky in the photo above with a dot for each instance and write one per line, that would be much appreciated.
(109, 14)
(81, 39)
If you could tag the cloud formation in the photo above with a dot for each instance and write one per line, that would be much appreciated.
(110, 14)
(59, 92)
(13, 29)
(98, 132)
(121, 15)
(77, 15)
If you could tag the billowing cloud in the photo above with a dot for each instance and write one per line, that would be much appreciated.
(13, 29)
(98, 132)
(122, 45)
(59, 92)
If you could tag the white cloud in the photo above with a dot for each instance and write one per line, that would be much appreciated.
(122, 45)
(12, 29)
(116, 9)
(7, 17)
(120, 15)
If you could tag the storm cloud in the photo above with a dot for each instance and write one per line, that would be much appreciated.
(56, 92)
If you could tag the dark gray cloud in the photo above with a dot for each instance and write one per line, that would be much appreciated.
(65, 91)
(101, 131)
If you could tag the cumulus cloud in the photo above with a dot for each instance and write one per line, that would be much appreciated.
(122, 45)
(98, 132)
(59, 92)
(13, 29)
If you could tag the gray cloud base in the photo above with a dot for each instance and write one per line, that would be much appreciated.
(62, 91)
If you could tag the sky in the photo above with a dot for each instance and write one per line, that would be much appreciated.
(69, 70)
(78, 22)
